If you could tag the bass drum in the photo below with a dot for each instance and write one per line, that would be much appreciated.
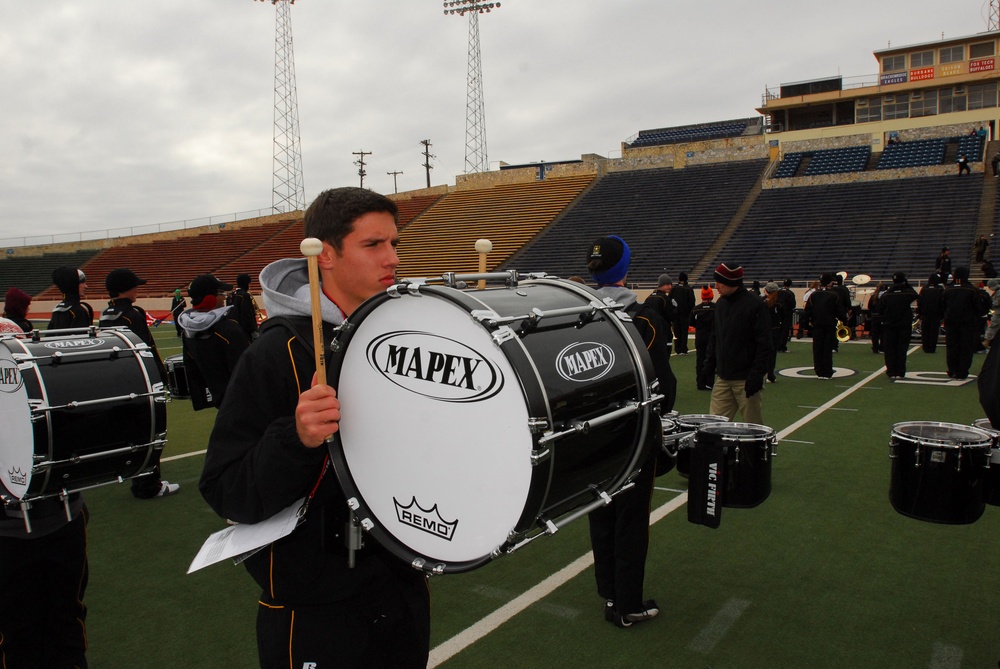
(939, 471)
(78, 410)
(473, 422)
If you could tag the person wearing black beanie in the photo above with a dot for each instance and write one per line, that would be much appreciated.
(72, 312)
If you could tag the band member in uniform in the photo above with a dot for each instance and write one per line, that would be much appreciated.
(897, 324)
(213, 341)
(787, 299)
(268, 449)
(963, 307)
(683, 296)
(845, 299)
(875, 318)
(930, 311)
(703, 316)
(242, 302)
(739, 348)
(619, 531)
(123, 287)
(775, 309)
(72, 312)
(823, 309)
(177, 307)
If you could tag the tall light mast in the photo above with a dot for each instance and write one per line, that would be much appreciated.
(475, 120)
(288, 192)
(994, 21)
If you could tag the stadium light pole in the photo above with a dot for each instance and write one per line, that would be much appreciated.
(288, 191)
(475, 120)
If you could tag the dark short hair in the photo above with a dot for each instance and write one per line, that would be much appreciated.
(331, 216)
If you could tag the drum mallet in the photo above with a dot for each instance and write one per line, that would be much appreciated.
(311, 248)
(483, 246)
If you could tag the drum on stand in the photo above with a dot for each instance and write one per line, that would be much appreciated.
(939, 471)
(687, 425)
(992, 484)
(749, 450)
(177, 380)
(474, 422)
(79, 409)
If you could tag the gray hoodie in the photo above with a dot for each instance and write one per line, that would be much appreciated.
(194, 322)
(285, 288)
(619, 294)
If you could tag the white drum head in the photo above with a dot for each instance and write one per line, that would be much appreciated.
(17, 444)
(434, 429)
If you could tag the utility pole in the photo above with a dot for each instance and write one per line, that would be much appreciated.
(395, 189)
(360, 162)
(475, 121)
(287, 191)
(427, 159)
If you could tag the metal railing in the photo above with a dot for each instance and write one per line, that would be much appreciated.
(134, 230)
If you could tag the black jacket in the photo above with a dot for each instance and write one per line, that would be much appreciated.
(824, 308)
(122, 312)
(930, 303)
(71, 313)
(683, 297)
(256, 466)
(895, 305)
(963, 305)
(740, 345)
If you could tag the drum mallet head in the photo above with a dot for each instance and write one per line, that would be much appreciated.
(310, 246)
(482, 246)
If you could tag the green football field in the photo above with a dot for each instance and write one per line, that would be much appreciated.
(824, 573)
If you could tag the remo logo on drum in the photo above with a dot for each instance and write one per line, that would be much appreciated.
(435, 367)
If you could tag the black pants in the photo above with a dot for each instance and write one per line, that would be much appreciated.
(681, 325)
(929, 329)
(619, 537)
(960, 341)
(824, 340)
(895, 341)
(43, 580)
(875, 330)
(702, 378)
(387, 627)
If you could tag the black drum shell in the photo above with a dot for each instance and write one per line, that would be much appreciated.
(177, 379)
(749, 451)
(939, 471)
(689, 423)
(89, 433)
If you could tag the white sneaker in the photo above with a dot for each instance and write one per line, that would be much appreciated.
(167, 488)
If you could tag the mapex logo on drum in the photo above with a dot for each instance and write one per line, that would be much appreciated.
(426, 520)
(434, 366)
(10, 377)
(65, 344)
(585, 361)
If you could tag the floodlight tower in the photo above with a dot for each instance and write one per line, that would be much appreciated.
(288, 192)
(994, 21)
(475, 120)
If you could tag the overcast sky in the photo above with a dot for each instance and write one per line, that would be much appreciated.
(121, 113)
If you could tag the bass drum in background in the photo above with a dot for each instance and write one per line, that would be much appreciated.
(177, 379)
(939, 471)
(77, 410)
(470, 423)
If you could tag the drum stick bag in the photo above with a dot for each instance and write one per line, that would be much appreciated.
(705, 484)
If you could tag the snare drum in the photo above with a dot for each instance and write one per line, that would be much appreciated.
(749, 450)
(939, 471)
(473, 422)
(993, 474)
(688, 425)
(177, 380)
(79, 408)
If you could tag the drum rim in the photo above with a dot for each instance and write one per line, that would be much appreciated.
(763, 431)
(714, 419)
(986, 441)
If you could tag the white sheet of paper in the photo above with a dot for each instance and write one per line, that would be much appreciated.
(243, 538)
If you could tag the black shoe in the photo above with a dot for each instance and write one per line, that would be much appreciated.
(649, 611)
(609, 610)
